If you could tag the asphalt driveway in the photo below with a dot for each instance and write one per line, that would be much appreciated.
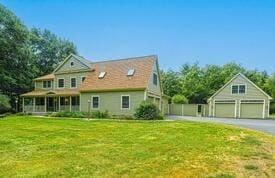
(267, 126)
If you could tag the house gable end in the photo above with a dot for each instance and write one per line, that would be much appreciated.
(72, 63)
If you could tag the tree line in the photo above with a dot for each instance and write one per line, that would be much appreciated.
(197, 83)
(25, 54)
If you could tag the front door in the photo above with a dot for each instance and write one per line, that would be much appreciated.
(50, 104)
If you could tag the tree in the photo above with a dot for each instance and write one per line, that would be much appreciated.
(192, 83)
(170, 83)
(179, 99)
(49, 50)
(4, 103)
(16, 60)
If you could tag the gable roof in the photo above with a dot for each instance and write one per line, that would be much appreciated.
(240, 74)
(79, 58)
(116, 74)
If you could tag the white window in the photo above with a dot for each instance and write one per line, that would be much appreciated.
(61, 83)
(101, 75)
(125, 102)
(47, 84)
(238, 89)
(95, 102)
(131, 72)
(73, 82)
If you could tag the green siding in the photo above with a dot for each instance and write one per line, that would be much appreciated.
(66, 67)
(111, 101)
(67, 79)
(252, 93)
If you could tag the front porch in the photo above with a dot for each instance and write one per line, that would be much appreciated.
(45, 104)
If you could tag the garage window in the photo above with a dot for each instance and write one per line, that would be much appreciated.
(238, 89)
(242, 89)
(235, 89)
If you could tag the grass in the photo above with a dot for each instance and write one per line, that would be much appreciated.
(102, 148)
(272, 116)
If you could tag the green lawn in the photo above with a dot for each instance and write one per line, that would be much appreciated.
(78, 148)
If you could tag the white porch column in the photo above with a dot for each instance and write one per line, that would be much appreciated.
(59, 103)
(33, 105)
(70, 103)
(23, 109)
(45, 104)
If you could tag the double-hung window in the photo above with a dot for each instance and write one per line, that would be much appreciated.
(73, 82)
(61, 83)
(95, 102)
(125, 102)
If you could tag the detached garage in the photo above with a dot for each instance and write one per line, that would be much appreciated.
(239, 98)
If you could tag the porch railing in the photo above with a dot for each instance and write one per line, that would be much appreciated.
(75, 108)
(39, 108)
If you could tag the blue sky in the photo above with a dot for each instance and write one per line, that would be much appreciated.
(210, 32)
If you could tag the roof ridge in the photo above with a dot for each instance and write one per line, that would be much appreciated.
(124, 59)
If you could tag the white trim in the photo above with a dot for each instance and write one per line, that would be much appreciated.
(214, 108)
(182, 109)
(80, 102)
(240, 102)
(70, 103)
(58, 83)
(71, 82)
(145, 95)
(92, 105)
(129, 102)
(268, 109)
(235, 108)
(264, 110)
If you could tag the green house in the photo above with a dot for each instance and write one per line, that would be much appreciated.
(77, 84)
(239, 98)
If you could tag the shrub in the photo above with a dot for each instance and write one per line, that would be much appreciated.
(80, 114)
(69, 114)
(4, 103)
(147, 111)
(99, 114)
(179, 99)
(122, 117)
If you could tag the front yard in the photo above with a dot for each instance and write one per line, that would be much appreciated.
(77, 148)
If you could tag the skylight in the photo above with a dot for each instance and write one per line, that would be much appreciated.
(101, 75)
(131, 72)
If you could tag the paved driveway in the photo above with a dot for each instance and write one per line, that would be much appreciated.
(267, 126)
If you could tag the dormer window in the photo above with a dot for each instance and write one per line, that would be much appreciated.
(131, 72)
(72, 64)
(101, 75)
